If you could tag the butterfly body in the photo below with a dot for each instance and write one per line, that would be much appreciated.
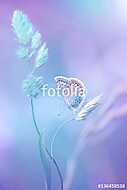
(75, 101)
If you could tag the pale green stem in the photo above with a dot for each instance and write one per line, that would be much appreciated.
(51, 149)
(42, 151)
(59, 128)
(45, 150)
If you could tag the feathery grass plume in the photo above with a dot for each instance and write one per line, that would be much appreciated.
(23, 53)
(42, 56)
(31, 45)
(22, 27)
(88, 108)
(36, 40)
(30, 39)
(32, 86)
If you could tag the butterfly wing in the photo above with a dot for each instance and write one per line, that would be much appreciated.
(74, 91)
(88, 108)
(62, 83)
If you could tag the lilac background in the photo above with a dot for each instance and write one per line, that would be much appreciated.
(87, 39)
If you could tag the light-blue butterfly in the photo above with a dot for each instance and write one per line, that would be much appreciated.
(76, 98)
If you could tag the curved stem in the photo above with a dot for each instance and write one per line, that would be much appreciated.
(42, 147)
(34, 120)
(56, 134)
(42, 151)
(51, 154)
(57, 167)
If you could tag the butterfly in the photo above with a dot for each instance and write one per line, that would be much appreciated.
(74, 93)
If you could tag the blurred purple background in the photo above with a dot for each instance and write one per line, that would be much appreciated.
(87, 39)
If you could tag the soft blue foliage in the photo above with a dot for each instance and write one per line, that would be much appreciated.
(32, 86)
(31, 45)
(42, 56)
(23, 53)
(36, 40)
(30, 40)
(22, 27)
